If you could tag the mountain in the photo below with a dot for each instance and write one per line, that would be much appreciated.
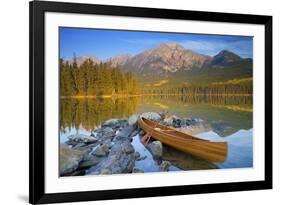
(117, 60)
(81, 59)
(165, 58)
(224, 58)
(172, 63)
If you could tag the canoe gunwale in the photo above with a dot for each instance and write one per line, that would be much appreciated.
(211, 151)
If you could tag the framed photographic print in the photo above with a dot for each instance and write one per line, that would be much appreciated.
(140, 102)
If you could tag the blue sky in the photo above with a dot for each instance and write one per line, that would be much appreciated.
(107, 43)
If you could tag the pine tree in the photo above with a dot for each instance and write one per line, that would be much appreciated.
(74, 73)
(91, 79)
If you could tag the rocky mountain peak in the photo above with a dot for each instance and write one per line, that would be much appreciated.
(224, 58)
(169, 57)
(228, 54)
(117, 60)
(172, 46)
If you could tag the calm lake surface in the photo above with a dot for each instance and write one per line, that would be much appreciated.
(222, 119)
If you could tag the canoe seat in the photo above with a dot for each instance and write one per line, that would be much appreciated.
(164, 130)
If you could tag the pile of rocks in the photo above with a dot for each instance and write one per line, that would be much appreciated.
(108, 150)
(174, 121)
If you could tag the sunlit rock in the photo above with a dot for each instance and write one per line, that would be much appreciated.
(133, 119)
(151, 116)
(69, 159)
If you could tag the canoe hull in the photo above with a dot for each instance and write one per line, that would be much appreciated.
(205, 149)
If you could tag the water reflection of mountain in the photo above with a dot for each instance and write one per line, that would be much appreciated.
(223, 115)
(240, 148)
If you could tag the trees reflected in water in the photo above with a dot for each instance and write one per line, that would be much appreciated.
(89, 113)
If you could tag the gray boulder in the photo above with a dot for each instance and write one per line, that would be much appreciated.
(78, 173)
(125, 133)
(91, 162)
(105, 171)
(108, 143)
(128, 148)
(80, 138)
(116, 164)
(100, 150)
(79, 145)
(156, 149)
(98, 130)
(115, 123)
(137, 170)
(119, 160)
(69, 159)
(137, 155)
(151, 116)
(86, 149)
(108, 132)
(164, 166)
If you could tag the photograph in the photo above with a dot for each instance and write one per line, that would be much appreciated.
(138, 102)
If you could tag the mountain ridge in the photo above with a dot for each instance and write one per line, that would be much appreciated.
(172, 60)
(172, 54)
(165, 58)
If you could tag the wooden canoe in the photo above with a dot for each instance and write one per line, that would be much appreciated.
(205, 149)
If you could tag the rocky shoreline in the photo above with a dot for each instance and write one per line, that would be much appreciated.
(109, 149)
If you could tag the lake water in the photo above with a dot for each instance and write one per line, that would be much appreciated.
(222, 119)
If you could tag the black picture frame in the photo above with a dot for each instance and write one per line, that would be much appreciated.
(37, 11)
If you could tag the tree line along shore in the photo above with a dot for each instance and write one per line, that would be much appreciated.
(102, 80)
(91, 79)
